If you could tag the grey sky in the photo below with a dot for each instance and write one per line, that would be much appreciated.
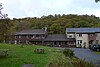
(38, 8)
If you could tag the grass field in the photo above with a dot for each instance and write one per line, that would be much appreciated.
(19, 56)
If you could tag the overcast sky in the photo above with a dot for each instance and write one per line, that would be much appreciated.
(38, 8)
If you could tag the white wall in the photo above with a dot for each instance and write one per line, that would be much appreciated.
(84, 39)
(98, 37)
(68, 35)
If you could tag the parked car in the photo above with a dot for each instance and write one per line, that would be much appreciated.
(90, 47)
(94, 47)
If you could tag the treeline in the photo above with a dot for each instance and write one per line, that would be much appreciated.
(56, 23)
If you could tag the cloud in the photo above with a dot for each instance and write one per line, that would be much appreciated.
(38, 8)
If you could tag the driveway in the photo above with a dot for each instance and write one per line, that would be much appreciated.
(88, 55)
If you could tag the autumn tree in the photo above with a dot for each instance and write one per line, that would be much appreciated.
(5, 26)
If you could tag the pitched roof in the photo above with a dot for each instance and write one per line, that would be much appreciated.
(35, 31)
(57, 37)
(83, 30)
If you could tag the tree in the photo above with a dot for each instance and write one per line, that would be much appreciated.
(5, 26)
(2, 16)
(97, 1)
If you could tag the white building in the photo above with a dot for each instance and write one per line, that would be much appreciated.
(84, 36)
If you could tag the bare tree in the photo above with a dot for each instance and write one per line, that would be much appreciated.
(2, 16)
(97, 1)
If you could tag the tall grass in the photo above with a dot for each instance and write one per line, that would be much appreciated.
(67, 59)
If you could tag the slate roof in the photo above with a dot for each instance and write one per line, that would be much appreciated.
(83, 30)
(58, 37)
(35, 31)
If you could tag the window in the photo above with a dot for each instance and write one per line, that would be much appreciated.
(80, 35)
(15, 36)
(19, 36)
(79, 41)
(27, 36)
(70, 36)
(37, 35)
(43, 36)
(91, 35)
(33, 36)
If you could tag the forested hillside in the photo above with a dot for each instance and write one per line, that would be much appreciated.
(56, 23)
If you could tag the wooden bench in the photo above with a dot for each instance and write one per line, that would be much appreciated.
(39, 50)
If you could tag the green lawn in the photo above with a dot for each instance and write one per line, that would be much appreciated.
(97, 52)
(19, 56)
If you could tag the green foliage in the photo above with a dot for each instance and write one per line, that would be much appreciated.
(97, 52)
(3, 53)
(22, 45)
(68, 52)
(56, 23)
(5, 26)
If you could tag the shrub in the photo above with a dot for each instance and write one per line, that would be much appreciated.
(22, 45)
(4, 52)
(68, 52)
(39, 50)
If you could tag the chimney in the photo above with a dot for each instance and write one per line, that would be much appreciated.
(45, 28)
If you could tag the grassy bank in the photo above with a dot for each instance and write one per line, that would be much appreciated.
(97, 52)
(61, 60)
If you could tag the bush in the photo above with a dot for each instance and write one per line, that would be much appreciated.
(39, 50)
(22, 45)
(68, 52)
(4, 52)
